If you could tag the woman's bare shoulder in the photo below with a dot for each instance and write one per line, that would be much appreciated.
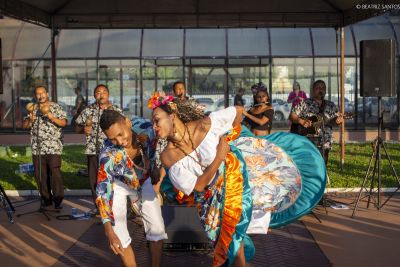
(165, 157)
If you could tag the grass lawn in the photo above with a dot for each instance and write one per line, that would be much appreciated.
(73, 159)
(357, 157)
(356, 162)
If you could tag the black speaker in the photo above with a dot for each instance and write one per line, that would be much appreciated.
(184, 229)
(377, 65)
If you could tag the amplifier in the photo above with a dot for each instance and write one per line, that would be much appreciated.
(184, 229)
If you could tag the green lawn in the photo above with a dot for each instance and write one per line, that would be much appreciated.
(357, 157)
(356, 162)
(73, 159)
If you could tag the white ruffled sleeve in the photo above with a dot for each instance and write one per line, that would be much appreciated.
(222, 120)
(182, 179)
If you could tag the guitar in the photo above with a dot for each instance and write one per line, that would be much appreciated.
(317, 121)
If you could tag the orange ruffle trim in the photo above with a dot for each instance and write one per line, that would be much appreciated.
(233, 202)
(232, 205)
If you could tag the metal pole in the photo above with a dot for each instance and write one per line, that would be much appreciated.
(53, 64)
(141, 72)
(378, 148)
(97, 59)
(342, 96)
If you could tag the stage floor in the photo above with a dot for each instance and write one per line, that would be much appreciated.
(371, 239)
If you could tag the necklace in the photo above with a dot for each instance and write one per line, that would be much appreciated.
(140, 148)
(183, 136)
(198, 160)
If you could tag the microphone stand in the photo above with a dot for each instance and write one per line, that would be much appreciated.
(97, 127)
(5, 204)
(42, 209)
(97, 138)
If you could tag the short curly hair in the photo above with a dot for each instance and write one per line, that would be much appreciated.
(110, 117)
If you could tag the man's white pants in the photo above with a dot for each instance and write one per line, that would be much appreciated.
(150, 210)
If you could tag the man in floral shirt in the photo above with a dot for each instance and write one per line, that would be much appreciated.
(88, 122)
(126, 163)
(46, 120)
(317, 106)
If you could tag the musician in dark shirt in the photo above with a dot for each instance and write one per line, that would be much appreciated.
(259, 117)
(316, 107)
(238, 100)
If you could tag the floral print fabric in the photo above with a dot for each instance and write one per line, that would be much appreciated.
(275, 181)
(93, 113)
(46, 134)
(114, 163)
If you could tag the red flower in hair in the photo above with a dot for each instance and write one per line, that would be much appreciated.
(158, 99)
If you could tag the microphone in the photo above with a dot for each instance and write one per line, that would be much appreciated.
(98, 102)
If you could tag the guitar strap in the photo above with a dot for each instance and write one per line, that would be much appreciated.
(322, 114)
(322, 108)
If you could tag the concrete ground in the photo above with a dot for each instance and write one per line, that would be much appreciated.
(369, 239)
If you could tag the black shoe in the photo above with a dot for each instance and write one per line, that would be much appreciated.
(45, 203)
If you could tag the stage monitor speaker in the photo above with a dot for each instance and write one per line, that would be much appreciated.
(377, 65)
(184, 229)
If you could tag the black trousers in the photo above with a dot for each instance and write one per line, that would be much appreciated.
(48, 178)
(325, 154)
(93, 167)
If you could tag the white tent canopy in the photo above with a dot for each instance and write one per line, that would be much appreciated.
(72, 14)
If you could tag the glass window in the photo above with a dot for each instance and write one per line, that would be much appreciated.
(6, 98)
(8, 33)
(33, 42)
(372, 29)
(205, 42)
(207, 86)
(168, 62)
(326, 70)
(162, 43)
(120, 43)
(396, 24)
(71, 74)
(149, 84)
(244, 61)
(78, 44)
(110, 75)
(131, 91)
(24, 83)
(248, 42)
(245, 77)
(285, 71)
(166, 76)
(324, 41)
(210, 61)
(290, 42)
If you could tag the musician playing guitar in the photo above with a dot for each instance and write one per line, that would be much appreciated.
(316, 106)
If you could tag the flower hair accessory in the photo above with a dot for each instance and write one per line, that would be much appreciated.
(158, 99)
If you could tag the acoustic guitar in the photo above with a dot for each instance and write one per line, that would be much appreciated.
(317, 122)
